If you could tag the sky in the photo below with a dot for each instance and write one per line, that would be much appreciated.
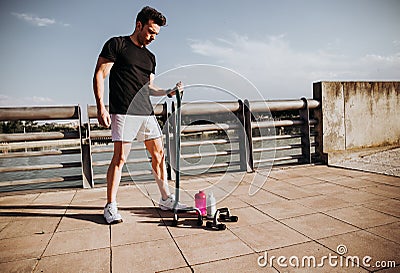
(278, 48)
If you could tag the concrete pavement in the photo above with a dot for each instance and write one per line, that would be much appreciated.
(299, 220)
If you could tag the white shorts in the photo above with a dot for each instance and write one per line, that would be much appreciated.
(128, 127)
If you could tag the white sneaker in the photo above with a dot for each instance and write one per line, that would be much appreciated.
(170, 202)
(111, 214)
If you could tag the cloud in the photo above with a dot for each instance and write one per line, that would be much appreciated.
(6, 100)
(280, 71)
(37, 21)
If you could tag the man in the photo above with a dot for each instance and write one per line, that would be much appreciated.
(132, 67)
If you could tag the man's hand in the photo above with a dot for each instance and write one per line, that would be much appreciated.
(178, 87)
(103, 117)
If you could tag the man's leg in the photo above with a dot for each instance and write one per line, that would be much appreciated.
(121, 152)
(156, 150)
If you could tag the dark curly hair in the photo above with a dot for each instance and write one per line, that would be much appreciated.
(149, 13)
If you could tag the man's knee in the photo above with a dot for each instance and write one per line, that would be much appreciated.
(158, 156)
(118, 161)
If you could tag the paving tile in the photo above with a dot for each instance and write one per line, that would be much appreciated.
(90, 194)
(201, 248)
(62, 197)
(276, 184)
(3, 225)
(19, 266)
(87, 261)
(178, 270)
(284, 174)
(389, 206)
(268, 235)
(135, 197)
(22, 248)
(138, 229)
(322, 188)
(357, 196)
(81, 219)
(318, 225)
(249, 216)
(90, 198)
(384, 179)
(389, 231)
(384, 190)
(306, 257)
(303, 181)
(330, 176)
(284, 209)
(44, 210)
(260, 197)
(323, 202)
(390, 270)
(355, 182)
(144, 257)
(246, 263)
(362, 244)
(345, 172)
(231, 202)
(78, 240)
(17, 199)
(362, 217)
(25, 226)
(291, 192)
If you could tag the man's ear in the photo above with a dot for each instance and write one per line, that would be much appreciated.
(139, 25)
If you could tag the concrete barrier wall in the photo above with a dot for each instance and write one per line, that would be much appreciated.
(357, 115)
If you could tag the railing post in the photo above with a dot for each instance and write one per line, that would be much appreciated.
(86, 154)
(245, 148)
(305, 133)
(171, 144)
(249, 135)
(164, 118)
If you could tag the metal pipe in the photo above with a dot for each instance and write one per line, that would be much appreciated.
(38, 136)
(40, 167)
(280, 105)
(39, 113)
(92, 110)
(197, 108)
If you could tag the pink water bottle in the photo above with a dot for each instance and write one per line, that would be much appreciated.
(200, 202)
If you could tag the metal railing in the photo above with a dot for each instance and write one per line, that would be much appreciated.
(239, 135)
(31, 147)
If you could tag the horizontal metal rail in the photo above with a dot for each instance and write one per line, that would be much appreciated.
(40, 153)
(201, 155)
(209, 127)
(92, 110)
(129, 161)
(39, 113)
(281, 105)
(124, 174)
(277, 159)
(40, 167)
(213, 166)
(212, 108)
(40, 180)
(12, 146)
(280, 123)
(38, 136)
(209, 142)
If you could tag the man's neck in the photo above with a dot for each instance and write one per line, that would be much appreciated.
(135, 40)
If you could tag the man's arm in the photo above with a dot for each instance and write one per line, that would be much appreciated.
(157, 91)
(101, 72)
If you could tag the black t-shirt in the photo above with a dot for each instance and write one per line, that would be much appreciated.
(130, 72)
